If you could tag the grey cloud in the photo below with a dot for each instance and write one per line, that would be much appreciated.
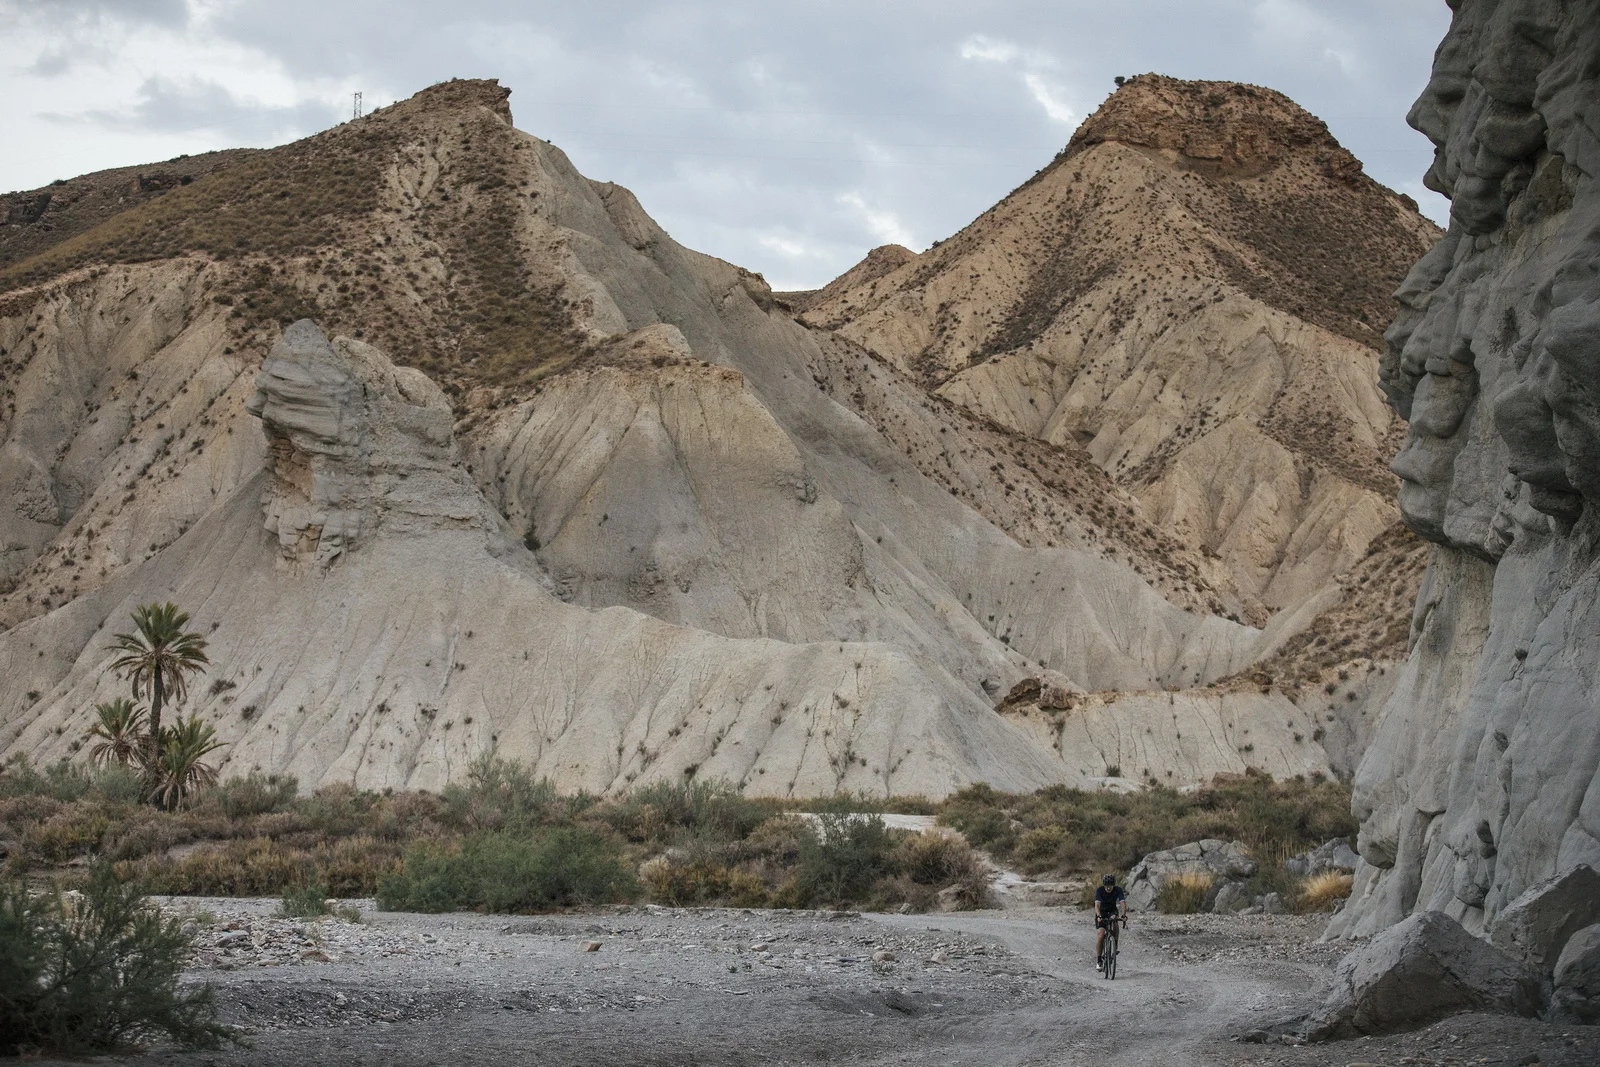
(162, 105)
(754, 131)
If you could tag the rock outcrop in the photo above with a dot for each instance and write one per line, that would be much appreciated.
(1417, 972)
(1217, 863)
(1538, 924)
(1576, 997)
(1484, 776)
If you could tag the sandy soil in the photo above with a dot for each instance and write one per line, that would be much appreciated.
(728, 986)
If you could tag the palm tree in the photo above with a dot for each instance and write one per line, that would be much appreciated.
(158, 657)
(176, 770)
(119, 730)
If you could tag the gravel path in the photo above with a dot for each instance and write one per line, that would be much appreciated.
(662, 986)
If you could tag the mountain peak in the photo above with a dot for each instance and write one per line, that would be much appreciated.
(459, 94)
(1220, 127)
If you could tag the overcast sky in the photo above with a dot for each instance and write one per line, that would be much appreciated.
(789, 138)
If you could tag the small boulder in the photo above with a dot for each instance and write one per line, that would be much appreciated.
(1273, 904)
(1221, 861)
(1336, 855)
(1535, 927)
(1232, 898)
(1417, 972)
(1577, 979)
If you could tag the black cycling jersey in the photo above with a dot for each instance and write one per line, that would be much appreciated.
(1106, 899)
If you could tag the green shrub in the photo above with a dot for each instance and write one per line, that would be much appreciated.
(1073, 830)
(678, 884)
(842, 859)
(664, 813)
(254, 794)
(306, 901)
(501, 794)
(96, 973)
(59, 781)
(507, 872)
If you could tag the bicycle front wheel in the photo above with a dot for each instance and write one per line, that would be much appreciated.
(1111, 957)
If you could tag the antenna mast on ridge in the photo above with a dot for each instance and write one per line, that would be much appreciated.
(355, 109)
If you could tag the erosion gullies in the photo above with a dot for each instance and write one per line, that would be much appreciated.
(1196, 285)
(1484, 775)
(377, 622)
(621, 516)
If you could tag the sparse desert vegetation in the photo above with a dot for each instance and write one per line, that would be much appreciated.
(506, 841)
(500, 841)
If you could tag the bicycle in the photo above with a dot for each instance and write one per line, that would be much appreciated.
(1109, 956)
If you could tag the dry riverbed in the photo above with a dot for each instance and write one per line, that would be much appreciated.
(718, 986)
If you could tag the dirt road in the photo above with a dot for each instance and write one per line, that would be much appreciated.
(726, 986)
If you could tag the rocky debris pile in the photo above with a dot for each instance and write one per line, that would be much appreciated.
(1208, 939)
(1418, 972)
(1217, 863)
(1336, 856)
(241, 937)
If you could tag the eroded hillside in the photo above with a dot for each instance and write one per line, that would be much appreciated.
(616, 513)
(1194, 291)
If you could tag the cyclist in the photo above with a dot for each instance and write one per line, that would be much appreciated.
(1110, 905)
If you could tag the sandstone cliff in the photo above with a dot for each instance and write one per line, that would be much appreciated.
(1485, 774)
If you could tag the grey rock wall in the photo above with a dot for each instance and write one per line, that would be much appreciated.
(1482, 779)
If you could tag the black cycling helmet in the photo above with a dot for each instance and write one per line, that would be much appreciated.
(1109, 879)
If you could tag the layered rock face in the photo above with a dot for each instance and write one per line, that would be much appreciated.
(1484, 777)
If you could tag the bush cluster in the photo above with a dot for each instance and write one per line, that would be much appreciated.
(1070, 831)
(501, 840)
(95, 971)
(506, 840)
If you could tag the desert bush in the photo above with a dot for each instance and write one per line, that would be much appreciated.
(337, 810)
(506, 872)
(1321, 891)
(1183, 894)
(305, 901)
(254, 794)
(499, 793)
(664, 812)
(61, 781)
(679, 884)
(843, 858)
(1077, 831)
(96, 973)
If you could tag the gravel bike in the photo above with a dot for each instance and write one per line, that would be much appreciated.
(1109, 956)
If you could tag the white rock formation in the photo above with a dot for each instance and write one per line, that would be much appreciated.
(1484, 777)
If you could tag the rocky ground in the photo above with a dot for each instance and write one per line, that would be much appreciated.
(728, 986)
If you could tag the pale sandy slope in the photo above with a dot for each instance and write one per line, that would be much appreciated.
(734, 571)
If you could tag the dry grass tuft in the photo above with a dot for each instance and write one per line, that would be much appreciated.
(1183, 894)
(1321, 891)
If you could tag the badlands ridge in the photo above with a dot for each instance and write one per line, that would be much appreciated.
(1072, 497)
